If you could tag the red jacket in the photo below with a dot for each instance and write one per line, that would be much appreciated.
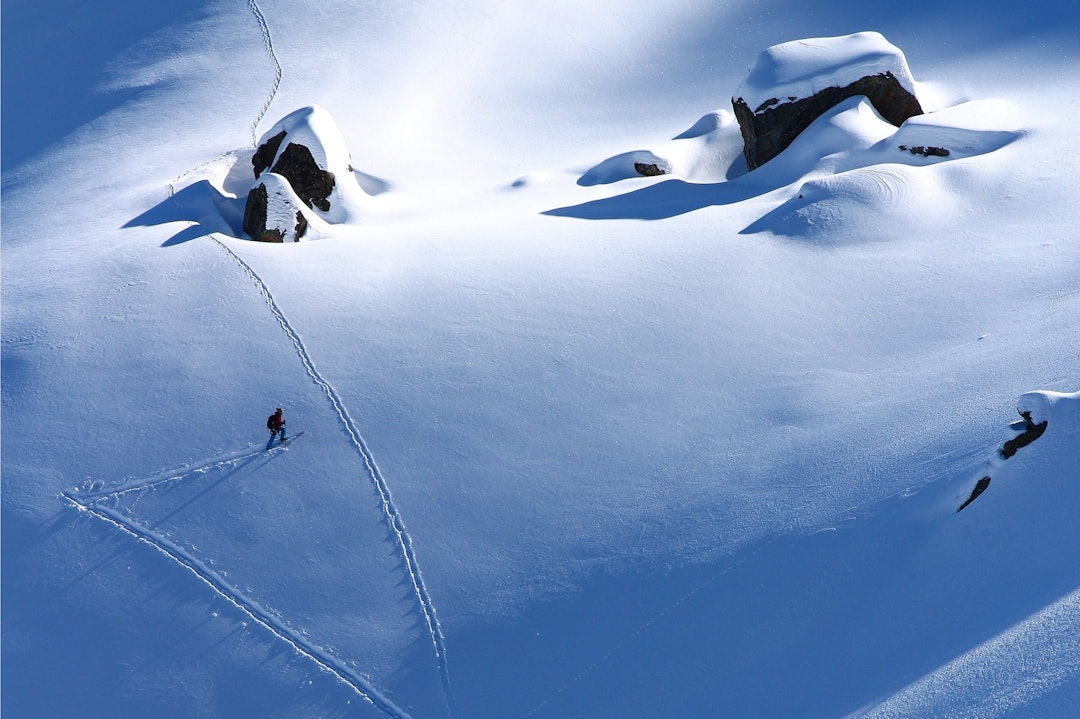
(275, 422)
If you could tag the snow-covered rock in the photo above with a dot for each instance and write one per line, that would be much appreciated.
(275, 213)
(307, 149)
(1042, 405)
(795, 82)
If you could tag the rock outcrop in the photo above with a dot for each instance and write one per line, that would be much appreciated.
(274, 212)
(794, 83)
(650, 169)
(311, 183)
(304, 177)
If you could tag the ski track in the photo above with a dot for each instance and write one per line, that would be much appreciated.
(262, 616)
(224, 459)
(87, 501)
(390, 510)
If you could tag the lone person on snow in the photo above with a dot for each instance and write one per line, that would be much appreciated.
(276, 424)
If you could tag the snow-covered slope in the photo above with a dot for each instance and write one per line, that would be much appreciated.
(706, 463)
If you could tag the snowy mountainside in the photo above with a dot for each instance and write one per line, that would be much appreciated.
(703, 450)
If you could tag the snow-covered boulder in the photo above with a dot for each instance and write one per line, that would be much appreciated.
(793, 83)
(308, 151)
(275, 213)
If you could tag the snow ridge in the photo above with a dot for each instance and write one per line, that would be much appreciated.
(323, 658)
(390, 510)
(268, 43)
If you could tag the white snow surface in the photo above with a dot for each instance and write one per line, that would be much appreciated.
(577, 443)
(801, 68)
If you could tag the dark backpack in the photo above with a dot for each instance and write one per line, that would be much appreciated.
(270, 423)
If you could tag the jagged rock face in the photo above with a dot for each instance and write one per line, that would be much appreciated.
(270, 215)
(311, 183)
(769, 128)
(650, 169)
(264, 156)
(273, 212)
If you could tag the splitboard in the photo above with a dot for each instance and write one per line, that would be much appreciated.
(288, 440)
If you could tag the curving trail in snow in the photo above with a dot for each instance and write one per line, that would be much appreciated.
(268, 43)
(266, 619)
(390, 510)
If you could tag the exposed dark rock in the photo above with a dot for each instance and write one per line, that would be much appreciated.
(649, 170)
(266, 153)
(1031, 433)
(264, 205)
(311, 183)
(980, 487)
(926, 151)
(255, 217)
(768, 129)
(301, 224)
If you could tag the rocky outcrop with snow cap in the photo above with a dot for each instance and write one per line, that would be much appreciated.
(304, 177)
(792, 84)
(275, 213)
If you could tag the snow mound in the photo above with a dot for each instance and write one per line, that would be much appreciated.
(847, 128)
(709, 151)
(314, 128)
(801, 68)
(1051, 407)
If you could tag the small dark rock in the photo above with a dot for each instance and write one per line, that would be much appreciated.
(649, 170)
(926, 151)
(980, 487)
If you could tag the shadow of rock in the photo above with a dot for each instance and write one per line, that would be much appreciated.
(677, 197)
(201, 203)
